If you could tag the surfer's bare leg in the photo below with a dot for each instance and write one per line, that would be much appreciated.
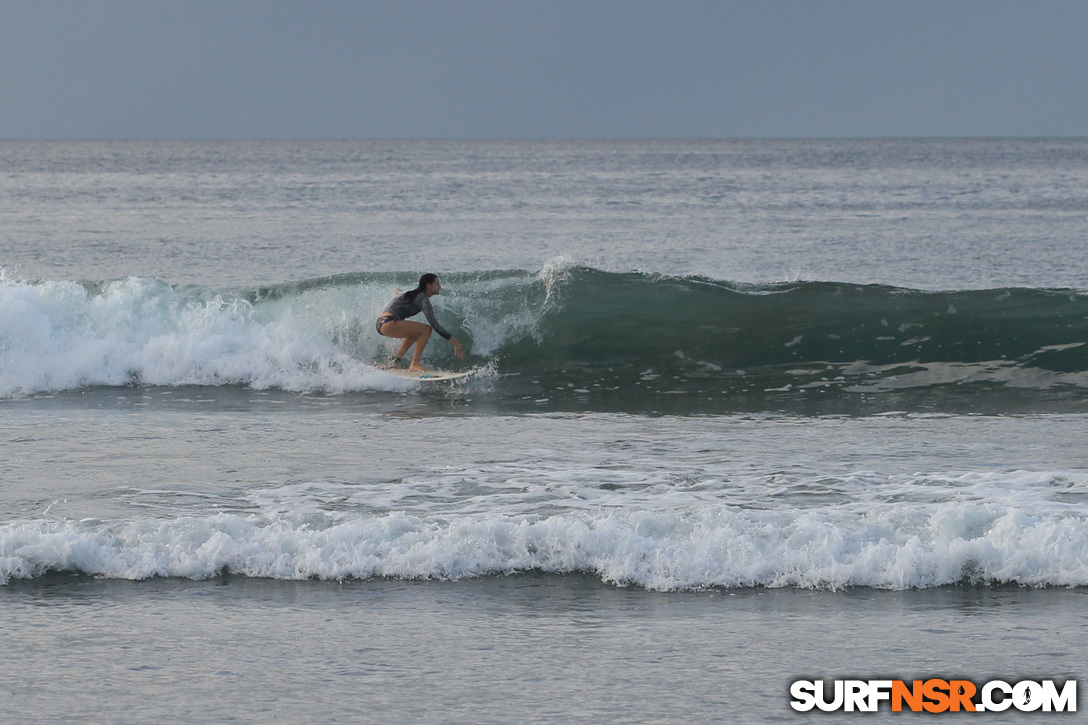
(413, 333)
(421, 344)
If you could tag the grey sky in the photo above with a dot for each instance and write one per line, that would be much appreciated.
(545, 68)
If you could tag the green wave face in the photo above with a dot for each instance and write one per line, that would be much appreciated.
(697, 343)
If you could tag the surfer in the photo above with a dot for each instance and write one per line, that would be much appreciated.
(394, 322)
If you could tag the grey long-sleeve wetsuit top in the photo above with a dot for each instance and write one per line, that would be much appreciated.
(403, 309)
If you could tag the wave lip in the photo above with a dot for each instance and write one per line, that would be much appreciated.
(722, 547)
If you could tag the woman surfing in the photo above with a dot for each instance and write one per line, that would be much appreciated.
(394, 322)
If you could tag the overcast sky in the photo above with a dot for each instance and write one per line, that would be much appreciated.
(542, 68)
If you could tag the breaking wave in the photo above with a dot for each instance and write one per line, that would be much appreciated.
(713, 546)
(568, 332)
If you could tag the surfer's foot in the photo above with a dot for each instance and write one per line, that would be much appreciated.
(394, 363)
(418, 368)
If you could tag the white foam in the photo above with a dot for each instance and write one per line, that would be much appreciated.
(60, 336)
(65, 335)
(892, 547)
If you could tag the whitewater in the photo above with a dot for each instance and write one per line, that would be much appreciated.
(745, 412)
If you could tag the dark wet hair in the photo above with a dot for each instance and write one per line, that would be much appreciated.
(423, 282)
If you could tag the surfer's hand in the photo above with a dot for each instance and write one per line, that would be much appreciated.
(458, 351)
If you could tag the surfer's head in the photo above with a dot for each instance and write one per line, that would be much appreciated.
(428, 283)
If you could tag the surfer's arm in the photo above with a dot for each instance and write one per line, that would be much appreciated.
(458, 351)
(429, 312)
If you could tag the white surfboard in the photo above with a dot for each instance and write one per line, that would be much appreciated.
(430, 376)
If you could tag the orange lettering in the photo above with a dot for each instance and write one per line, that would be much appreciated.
(961, 692)
(912, 695)
(932, 689)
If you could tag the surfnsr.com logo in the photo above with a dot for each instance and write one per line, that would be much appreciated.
(934, 695)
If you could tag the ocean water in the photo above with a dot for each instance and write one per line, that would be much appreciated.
(744, 412)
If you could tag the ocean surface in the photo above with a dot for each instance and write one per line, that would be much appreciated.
(744, 412)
